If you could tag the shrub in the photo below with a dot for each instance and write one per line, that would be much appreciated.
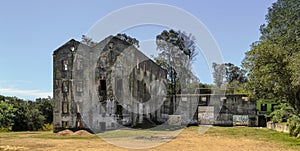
(294, 125)
(5, 129)
(47, 127)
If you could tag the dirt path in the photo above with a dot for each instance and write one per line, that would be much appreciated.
(187, 140)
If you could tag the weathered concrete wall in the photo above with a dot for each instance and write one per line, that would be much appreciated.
(216, 109)
(280, 127)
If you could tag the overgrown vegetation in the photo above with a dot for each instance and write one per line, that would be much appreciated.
(20, 115)
(273, 62)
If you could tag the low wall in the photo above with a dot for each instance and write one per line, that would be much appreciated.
(281, 127)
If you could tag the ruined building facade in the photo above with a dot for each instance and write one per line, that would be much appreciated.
(106, 86)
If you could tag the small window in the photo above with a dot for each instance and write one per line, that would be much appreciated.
(79, 87)
(102, 88)
(65, 108)
(77, 108)
(65, 124)
(145, 89)
(273, 107)
(111, 45)
(138, 87)
(79, 64)
(103, 85)
(138, 64)
(263, 107)
(65, 87)
(111, 56)
(65, 65)
(119, 87)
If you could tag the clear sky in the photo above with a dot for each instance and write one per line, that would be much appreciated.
(31, 30)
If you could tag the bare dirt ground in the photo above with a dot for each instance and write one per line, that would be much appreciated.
(186, 140)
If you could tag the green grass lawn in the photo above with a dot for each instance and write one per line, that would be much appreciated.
(262, 134)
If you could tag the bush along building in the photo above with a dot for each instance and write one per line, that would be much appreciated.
(105, 86)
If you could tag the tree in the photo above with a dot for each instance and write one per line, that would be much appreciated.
(45, 106)
(20, 118)
(7, 113)
(128, 39)
(218, 74)
(229, 76)
(273, 62)
(176, 54)
(88, 41)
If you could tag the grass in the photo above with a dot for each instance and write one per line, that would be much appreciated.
(131, 133)
(254, 133)
(41, 134)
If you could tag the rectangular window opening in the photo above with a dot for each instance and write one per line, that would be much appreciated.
(65, 124)
(65, 65)
(263, 107)
(65, 108)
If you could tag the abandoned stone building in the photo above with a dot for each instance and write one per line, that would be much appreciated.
(105, 86)
(112, 84)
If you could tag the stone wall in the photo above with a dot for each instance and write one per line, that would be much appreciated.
(280, 127)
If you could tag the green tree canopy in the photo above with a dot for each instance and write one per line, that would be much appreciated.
(229, 76)
(273, 61)
(176, 55)
(7, 113)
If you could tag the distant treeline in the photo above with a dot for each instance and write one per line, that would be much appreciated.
(20, 115)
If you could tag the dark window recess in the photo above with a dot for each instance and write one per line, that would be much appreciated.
(119, 87)
(145, 88)
(65, 65)
(102, 88)
(145, 68)
(65, 124)
(65, 108)
(273, 107)
(111, 56)
(263, 107)
(65, 87)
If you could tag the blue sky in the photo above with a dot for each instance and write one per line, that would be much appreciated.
(31, 30)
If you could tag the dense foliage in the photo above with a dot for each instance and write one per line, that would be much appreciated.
(19, 115)
(176, 54)
(273, 62)
(230, 77)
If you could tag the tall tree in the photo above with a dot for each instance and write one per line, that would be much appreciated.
(218, 74)
(229, 76)
(45, 106)
(176, 54)
(273, 61)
